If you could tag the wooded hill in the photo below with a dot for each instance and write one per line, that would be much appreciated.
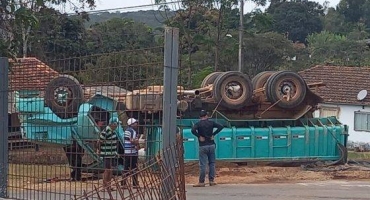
(152, 18)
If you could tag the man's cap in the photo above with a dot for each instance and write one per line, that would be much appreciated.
(203, 113)
(131, 121)
(114, 120)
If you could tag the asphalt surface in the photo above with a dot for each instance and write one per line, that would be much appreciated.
(327, 190)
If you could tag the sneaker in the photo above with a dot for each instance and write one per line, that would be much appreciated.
(200, 185)
(212, 183)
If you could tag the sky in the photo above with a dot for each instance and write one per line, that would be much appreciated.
(135, 5)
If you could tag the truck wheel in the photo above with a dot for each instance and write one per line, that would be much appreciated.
(64, 95)
(260, 80)
(233, 89)
(210, 78)
(282, 82)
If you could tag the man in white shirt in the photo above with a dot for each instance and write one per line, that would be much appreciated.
(131, 146)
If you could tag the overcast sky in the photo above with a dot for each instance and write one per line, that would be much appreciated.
(134, 5)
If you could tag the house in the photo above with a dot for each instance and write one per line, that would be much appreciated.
(343, 85)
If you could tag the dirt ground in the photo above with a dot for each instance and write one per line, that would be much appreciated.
(51, 163)
(233, 174)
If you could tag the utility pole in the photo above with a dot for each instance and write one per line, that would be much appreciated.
(241, 30)
(4, 66)
(171, 72)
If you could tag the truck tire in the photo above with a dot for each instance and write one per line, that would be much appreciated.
(64, 95)
(210, 78)
(260, 80)
(233, 89)
(280, 83)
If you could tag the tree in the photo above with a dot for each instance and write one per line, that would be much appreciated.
(259, 22)
(57, 36)
(266, 51)
(355, 11)
(18, 18)
(119, 34)
(335, 22)
(127, 69)
(296, 19)
(352, 10)
(335, 49)
(358, 33)
(203, 25)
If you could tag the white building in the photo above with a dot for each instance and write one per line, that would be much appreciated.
(342, 97)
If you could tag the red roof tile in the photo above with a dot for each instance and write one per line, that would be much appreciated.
(29, 74)
(32, 74)
(342, 83)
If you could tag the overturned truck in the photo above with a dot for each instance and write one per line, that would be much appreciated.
(269, 117)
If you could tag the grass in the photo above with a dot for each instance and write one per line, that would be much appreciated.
(358, 155)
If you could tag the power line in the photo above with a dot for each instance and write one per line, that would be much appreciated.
(126, 8)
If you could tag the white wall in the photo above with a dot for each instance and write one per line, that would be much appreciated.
(346, 116)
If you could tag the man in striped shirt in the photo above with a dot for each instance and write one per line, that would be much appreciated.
(131, 146)
(108, 149)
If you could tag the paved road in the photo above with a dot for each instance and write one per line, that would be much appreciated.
(327, 190)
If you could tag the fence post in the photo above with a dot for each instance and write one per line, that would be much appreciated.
(4, 66)
(170, 77)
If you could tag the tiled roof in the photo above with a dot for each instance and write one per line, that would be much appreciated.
(30, 74)
(342, 83)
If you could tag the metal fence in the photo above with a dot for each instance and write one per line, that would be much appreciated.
(156, 178)
(58, 108)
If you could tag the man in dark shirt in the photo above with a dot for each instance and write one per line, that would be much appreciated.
(203, 130)
(74, 154)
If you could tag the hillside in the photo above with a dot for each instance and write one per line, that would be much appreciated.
(152, 18)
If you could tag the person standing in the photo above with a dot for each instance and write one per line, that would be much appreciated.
(108, 149)
(74, 153)
(131, 147)
(203, 130)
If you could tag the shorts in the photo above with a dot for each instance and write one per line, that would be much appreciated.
(108, 162)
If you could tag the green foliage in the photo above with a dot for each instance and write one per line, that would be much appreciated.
(355, 11)
(334, 22)
(199, 76)
(58, 37)
(259, 22)
(3, 48)
(147, 66)
(18, 19)
(358, 32)
(118, 34)
(335, 49)
(296, 19)
(266, 51)
(152, 18)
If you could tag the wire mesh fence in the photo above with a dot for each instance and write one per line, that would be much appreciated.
(154, 176)
(61, 114)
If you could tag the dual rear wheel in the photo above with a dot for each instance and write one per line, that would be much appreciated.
(234, 90)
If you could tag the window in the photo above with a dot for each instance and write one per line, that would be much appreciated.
(362, 121)
(329, 112)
